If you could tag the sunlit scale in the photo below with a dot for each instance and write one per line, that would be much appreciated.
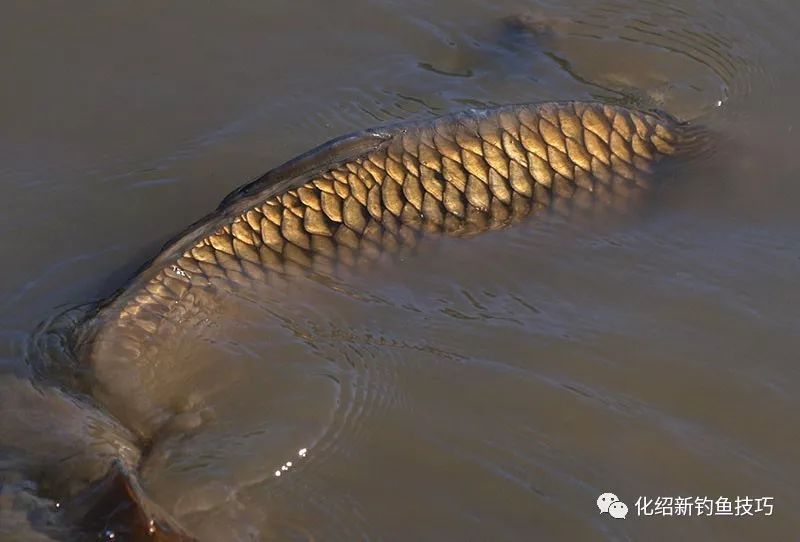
(354, 199)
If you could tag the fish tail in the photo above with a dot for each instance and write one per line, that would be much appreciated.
(118, 508)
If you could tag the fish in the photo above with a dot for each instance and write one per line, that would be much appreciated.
(346, 204)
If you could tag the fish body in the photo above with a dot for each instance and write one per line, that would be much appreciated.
(350, 200)
(346, 203)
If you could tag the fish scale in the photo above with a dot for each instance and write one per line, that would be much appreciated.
(485, 172)
(458, 175)
(345, 204)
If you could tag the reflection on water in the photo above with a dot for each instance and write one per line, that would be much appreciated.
(488, 388)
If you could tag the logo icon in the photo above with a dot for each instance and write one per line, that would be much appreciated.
(610, 503)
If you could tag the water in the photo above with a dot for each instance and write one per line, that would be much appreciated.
(481, 389)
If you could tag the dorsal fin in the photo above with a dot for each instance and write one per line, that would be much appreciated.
(117, 508)
(295, 172)
(314, 161)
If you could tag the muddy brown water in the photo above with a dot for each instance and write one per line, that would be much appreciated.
(482, 389)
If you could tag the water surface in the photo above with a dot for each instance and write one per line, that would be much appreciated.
(489, 388)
